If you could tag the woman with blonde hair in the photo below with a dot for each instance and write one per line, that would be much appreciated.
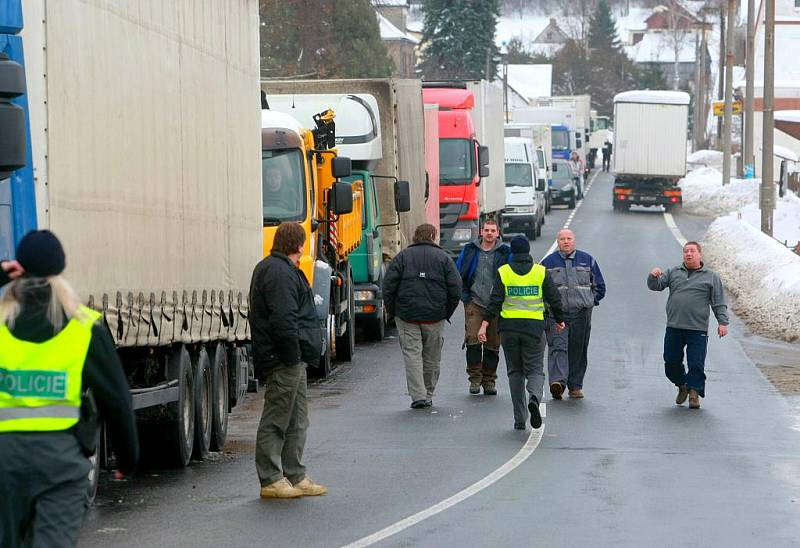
(56, 359)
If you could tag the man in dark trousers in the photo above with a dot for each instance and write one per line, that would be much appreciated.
(693, 289)
(521, 291)
(607, 156)
(421, 290)
(477, 264)
(52, 351)
(286, 337)
(580, 282)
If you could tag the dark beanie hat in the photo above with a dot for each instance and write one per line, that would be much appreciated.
(520, 245)
(40, 254)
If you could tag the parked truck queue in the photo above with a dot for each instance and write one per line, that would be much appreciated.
(166, 213)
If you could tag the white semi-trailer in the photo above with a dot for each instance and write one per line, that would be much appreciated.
(650, 134)
(145, 161)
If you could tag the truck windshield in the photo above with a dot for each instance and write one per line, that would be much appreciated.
(456, 161)
(284, 186)
(518, 175)
(560, 139)
(600, 123)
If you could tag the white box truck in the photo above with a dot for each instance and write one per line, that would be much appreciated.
(650, 133)
(488, 120)
(541, 135)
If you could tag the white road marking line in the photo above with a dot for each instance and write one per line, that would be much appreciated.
(522, 455)
(674, 228)
(530, 446)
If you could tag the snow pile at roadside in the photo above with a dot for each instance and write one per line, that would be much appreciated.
(708, 158)
(760, 272)
(703, 193)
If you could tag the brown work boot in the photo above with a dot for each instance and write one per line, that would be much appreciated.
(474, 388)
(683, 393)
(309, 488)
(489, 389)
(281, 489)
(576, 393)
(556, 390)
(694, 399)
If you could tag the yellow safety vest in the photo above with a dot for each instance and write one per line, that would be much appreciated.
(523, 293)
(40, 383)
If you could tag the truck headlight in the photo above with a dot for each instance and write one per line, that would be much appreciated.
(365, 295)
(462, 235)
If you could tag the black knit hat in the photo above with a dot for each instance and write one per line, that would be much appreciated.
(520, 245)
(40, 254)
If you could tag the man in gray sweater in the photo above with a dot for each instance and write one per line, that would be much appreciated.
(693, 289)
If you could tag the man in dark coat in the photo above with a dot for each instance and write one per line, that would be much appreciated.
(421, 290)
(286, 336)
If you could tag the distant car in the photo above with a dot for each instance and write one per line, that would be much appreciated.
(563, 190)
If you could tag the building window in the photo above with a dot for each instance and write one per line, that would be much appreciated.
(550, 34)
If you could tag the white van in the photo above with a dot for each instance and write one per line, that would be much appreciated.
(525, 189)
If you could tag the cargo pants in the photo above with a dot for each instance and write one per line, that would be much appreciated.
(44, 478)
(482, 359)
(281, 436)
(422, 352)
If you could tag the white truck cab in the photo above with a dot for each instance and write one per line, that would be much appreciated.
(525, 189)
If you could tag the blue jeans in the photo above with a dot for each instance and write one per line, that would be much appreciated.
(696, 343)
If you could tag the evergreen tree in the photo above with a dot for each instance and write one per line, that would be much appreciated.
(650, 76)
(321, 39)
(603, 34)
(458, 39)
(571, 70)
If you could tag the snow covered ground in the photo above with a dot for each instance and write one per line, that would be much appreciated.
(762, 272)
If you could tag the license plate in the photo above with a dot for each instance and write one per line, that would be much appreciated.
(647, 198)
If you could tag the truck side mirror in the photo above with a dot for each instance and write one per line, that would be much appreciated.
(483, 156)
(341, 167)
(402, 196)
(342, 197)
(541, 184)
(12, 117)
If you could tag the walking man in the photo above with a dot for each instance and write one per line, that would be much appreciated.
(521, 290)
(693, 289)
(580, 282)
(607, 156)
(477, 264)
(58, 362)
(286, 337)
(421, 290)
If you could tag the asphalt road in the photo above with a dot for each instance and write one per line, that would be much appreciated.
(624, 467)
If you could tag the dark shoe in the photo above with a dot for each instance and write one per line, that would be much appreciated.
(536, 416)
(474, 388)
(576, 393)
(428, 403)
(489, 389)
(694, 399)
(519, 426)
(683, 393)
(418, 404)
(556, 390)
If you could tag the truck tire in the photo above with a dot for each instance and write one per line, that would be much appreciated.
(322, 368)
(219, 396)
(346, 344)
(202, 404)
(375, 328)
(94, 472)
(178, 436)
(571, 204)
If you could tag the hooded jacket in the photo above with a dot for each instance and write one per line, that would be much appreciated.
(467, 263)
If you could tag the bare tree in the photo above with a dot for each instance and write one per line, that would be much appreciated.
(577, 16)
(678, 32)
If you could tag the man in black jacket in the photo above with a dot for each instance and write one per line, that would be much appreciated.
(286, 336)
(521, 291)
(44, 471)
(421, 289)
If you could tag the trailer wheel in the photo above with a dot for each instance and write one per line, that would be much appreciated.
(219, 396)
(202, 404)
(346, 344)
(94, 472)
(179, 433)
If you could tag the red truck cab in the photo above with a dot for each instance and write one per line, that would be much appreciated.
(462, 163)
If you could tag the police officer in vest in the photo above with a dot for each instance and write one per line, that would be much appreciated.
(53, 351)
(521, 291)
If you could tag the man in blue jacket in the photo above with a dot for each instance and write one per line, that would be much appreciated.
(477, 264)
(580, 282)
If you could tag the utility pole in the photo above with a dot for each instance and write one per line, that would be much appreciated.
(767, 161)
(720, 78)
(748, 160)
(506, 106)
(727, 118)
